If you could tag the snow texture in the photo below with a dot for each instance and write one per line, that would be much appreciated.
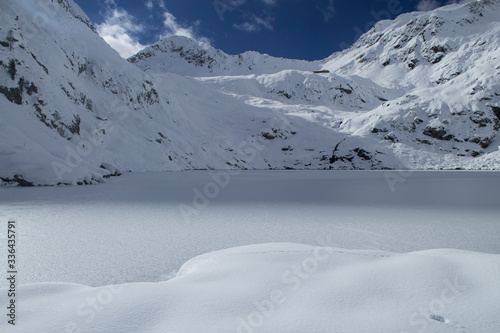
(284, 288)
(140, 227)
(136, 246)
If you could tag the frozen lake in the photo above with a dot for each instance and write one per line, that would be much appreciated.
(141, 227)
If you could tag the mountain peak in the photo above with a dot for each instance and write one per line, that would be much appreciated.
(185, 56)
(417, 92)
(176, 44)
(415, 42)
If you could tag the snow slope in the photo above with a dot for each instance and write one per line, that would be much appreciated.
(283, 288)
(428, 82)
(419, 92)
(447, 61)
(88, 112)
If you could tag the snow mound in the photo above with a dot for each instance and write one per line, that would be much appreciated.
(283, 288)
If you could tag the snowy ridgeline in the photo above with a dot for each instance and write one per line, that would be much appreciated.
(419, 92)
(283, 288)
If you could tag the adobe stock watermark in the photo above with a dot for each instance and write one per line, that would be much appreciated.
(249, 150)
(292, 280)
(395, 177)
(393, 9)
(434, 311)
(93, 306)
(30, 26)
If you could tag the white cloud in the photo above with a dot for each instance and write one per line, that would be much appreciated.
(149, 4)
(224, 6)
(427, 5)
(174, 28)
(248, 27)
(119, 31)
(256, 24)
(328, 11)
(236, 3)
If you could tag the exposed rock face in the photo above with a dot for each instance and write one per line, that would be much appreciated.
(184, 56)
(419, 92)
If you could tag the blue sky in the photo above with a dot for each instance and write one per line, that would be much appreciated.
(300, 29)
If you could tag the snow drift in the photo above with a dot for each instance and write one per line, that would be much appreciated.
(284, 288)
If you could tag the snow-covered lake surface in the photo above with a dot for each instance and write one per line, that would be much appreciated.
(386, 252)
(138, 227)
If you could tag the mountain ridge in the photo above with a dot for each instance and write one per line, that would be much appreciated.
(210, 61)
(74, 112)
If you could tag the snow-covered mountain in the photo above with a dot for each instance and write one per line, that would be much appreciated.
(419, 92)
(447, 63)
(184, 56)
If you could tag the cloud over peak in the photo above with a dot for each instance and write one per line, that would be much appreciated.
(120, 31)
